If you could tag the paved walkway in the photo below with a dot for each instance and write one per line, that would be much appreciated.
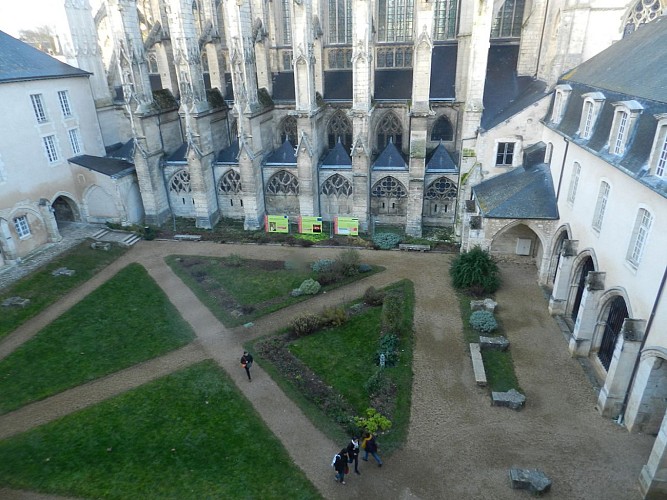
(458, 446)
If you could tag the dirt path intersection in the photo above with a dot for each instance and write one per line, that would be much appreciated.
(458, 446)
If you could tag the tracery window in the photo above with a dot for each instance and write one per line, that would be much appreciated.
(340, 21)
(441, 189)
(337, 186)
(339, 128)
(283, 183)
(339, 58)
(644, 11)
(507, 23)
(288, 130)
(444, 26)
(390, 128)
(286, 23)
(442, 130)
(180, 182)
(394, 57)
(230, 183)
(389, 187)
(395, 19)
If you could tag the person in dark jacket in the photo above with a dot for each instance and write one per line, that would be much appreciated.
(370, 446)
(353, 453)
(246, 362)
(340, 464)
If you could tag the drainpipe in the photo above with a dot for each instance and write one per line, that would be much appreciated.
(562, 169)
(635, 368)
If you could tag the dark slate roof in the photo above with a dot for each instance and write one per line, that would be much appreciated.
(522, 193)
(337, 158)
(283, 86)
(338, 85)
(393, 84)
(390, 159)
(112, 167)
(635, 65)
(441, 161)
(283, 156)
(505, 93)
(534, 154)
(122, 151)
(443, 72)
(20, 61)
(179, 156)
(229, 156)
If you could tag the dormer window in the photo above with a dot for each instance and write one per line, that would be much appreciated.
(625, 117)
(560, 101)
(593, 102)
(658, 160)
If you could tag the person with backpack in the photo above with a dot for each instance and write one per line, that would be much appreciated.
(246, 362)
(353, 453)
(370, 446)
(339, 463)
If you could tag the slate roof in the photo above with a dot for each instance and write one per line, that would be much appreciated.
(390, 159)
(443, 72)
(522, 193)
(122, 151)
(111, 167)
(441, 161)
(230, 155)
(337, 158)
(178, 157)
(505, 93)
(283, 156)
(20, 61)
(338, 85)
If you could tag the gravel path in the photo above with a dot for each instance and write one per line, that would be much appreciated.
(458, 445)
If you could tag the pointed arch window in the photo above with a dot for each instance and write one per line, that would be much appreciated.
(339, 128)
(442, 130)
(288, 130)
(283, 183)
(642, 12)
(389, 187)
(441, 189)
(390, 128)
(444, 26)
(180, 183)
(507, 23)
(337, 186)
(230, 183)
(395, 18)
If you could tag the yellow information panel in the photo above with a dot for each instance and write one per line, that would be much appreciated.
(310, 225)
(276, 223)
(347, 226)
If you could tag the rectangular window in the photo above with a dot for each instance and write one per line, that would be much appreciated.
(50, 148)
(574, 182)
(444, 25)
(662, 159)
(287, 23)
(22, 227)
(505, 153)
(639, 236)
(395, 19)
(63, 97)
(588, 120)
(601, 206)
(74, 140)
(38, 107)
(287, 60)
(619, 143)
(340, 21)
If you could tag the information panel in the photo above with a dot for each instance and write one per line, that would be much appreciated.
(310, 225)
(347, 226)
(276, 223)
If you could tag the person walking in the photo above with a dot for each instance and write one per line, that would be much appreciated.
(340, 464)
(246, 362)
(369, 445)
(353, 453)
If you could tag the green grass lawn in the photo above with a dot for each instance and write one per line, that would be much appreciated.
(190, 435)
(43, 289)
(127, 320)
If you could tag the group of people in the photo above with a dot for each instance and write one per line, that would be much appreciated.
(350, 454)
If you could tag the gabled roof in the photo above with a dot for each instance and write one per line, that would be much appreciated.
(20, 61)
(441, 161)
(337, 158)
(283, 156)
(229, 155)
(122, 151)
(522, 193)
(390, 159)
(111, 167)
(179, 156)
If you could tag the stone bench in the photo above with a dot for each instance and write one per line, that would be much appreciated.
(498, 343)
(477, 364)
(533, 480)
(187, 237)
(418, 248)
(512, 399)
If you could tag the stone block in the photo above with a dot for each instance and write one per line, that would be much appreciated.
(98, 245)
(63, 271)
(498, 343)
(512, 399)
(15, 301)
(483, 305)
(533, 480)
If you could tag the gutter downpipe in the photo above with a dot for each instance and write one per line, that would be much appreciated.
(562, 168)
(635, 368)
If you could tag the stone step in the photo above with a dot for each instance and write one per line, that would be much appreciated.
(100, 234)
(130, 240)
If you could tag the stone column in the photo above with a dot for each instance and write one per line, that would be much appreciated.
(653, 477)
(617, 383)
(253, 189)
(531, 38)
(561, 289)
(584, 328)
(361, 185)
(307, 175)
(50, 223)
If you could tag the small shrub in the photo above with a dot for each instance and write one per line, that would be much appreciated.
(305, 324)
(389, 347)
(392, 313)
(148, 233)
(365, 268)
(305, 243)
(333, 316)
(373, 296)
(386, 241)
(310, 287)
(296, 293)
(233, 260)
(377, 383)
(373, 421)
(347, 263)
(474, 269)
(483, 321)
(322, 265)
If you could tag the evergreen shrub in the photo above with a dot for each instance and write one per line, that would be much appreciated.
(322, 265)
(365, 268)
(310, 287)
(392, 313)
(389, 347)
(333, 316)
(475, 271)
(483, 321)
(386, 241)
(347, 262)
(373, 296)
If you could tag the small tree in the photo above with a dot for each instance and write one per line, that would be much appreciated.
(475, 271)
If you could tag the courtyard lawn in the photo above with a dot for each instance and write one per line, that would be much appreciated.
(190, 435)
(43, 289)
(127, 320)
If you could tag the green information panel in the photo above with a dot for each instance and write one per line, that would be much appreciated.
(347, 226)
(310, 225)
(276, 223)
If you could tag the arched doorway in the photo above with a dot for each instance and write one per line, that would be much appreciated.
(584, 268)
(617, 312)
(64, 210)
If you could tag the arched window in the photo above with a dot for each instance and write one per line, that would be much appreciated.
(337, 186)
(388, 129)
(442, 130)
(444, 25)
(230, 183)
(616, 315)
(283, 183)
(441, 189)
(507, 23)
(644, 11)
(288, 130)
(389, 187)
(180, 182)
(339, 127)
